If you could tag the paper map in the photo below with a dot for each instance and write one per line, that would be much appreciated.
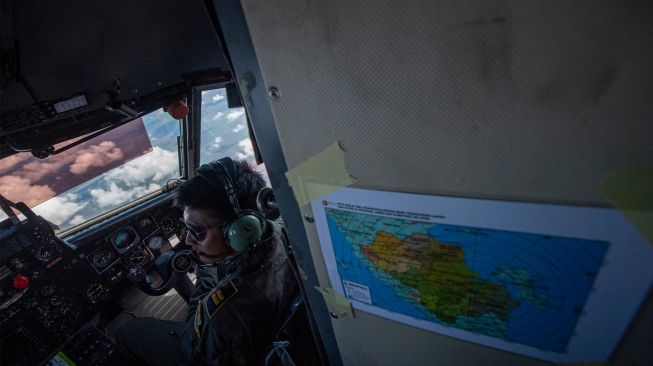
(521, 277)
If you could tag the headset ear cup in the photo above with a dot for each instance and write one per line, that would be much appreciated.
(243, 231)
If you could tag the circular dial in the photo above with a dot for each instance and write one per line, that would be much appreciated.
(42, 310)
(65, 309)
(43, 254)
(17, 263)
(56, 300)
(155, 242)
(138, 257)
(146, 225)
(124, 239)
(182, 263)
(96, 292)
(168, 224)
(136, 274)
(102, 258)
(115, 274)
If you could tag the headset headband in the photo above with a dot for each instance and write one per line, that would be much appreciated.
(219, 171)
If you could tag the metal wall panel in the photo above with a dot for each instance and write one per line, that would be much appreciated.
(536, 101)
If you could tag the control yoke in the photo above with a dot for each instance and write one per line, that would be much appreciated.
(172, 266)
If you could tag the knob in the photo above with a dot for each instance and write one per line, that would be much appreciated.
(20, 282)
(136, 274)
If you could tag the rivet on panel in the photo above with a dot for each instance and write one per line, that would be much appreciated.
(274, 93)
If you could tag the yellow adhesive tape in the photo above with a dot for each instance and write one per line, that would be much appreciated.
(336, 302)
(631, 191)
(319, 175)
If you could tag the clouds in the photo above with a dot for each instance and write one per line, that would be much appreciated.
(137, 178)
(121, 185)
(72, 167)
(232, 116)
(216, 142)
(217, 116)
(35, 170)
(208, 96)
(114, 196)
(93, 177)
(238, 128)
(96, 156)
(77, 161)
(9, 162)
(158, 165)
(246, 149)
(60, 209)
(20, 189)
(78, 219)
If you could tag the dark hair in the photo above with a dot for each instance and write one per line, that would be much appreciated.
(198, 193)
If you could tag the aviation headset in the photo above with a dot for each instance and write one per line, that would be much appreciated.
(242, 228)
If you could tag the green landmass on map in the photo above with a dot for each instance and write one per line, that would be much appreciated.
(521, 279)
(440, 278)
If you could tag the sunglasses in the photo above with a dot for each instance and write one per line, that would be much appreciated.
(198, 235)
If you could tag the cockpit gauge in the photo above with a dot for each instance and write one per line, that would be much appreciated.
(145, 226)
(56, 300)
(102, 258)
(115, 273)
(42, 310)
(139, 256)
(65, 309)
(96, 292)
(182, 262)
(43, 254)
(123, 239)
(17, 263)
(136, 274)
(155, 242)
(168, 224)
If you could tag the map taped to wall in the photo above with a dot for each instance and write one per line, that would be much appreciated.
(544, 281)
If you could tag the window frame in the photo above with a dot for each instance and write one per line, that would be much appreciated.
(195, 126)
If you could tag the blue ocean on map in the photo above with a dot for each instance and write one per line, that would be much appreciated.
(549, 277)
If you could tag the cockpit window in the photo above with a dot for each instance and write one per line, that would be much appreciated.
(224, 129)
(97, 176)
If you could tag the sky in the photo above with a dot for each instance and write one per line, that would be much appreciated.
(123, 165)
(25, 178)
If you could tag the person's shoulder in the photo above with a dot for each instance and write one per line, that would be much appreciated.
(220, 296)
(233, 300)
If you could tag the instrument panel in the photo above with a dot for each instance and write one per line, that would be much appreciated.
(50, 291)
(135, 244)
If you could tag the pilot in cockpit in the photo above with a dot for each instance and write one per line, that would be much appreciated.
(244, 278)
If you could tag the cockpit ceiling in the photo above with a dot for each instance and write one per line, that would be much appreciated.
(133, 55)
